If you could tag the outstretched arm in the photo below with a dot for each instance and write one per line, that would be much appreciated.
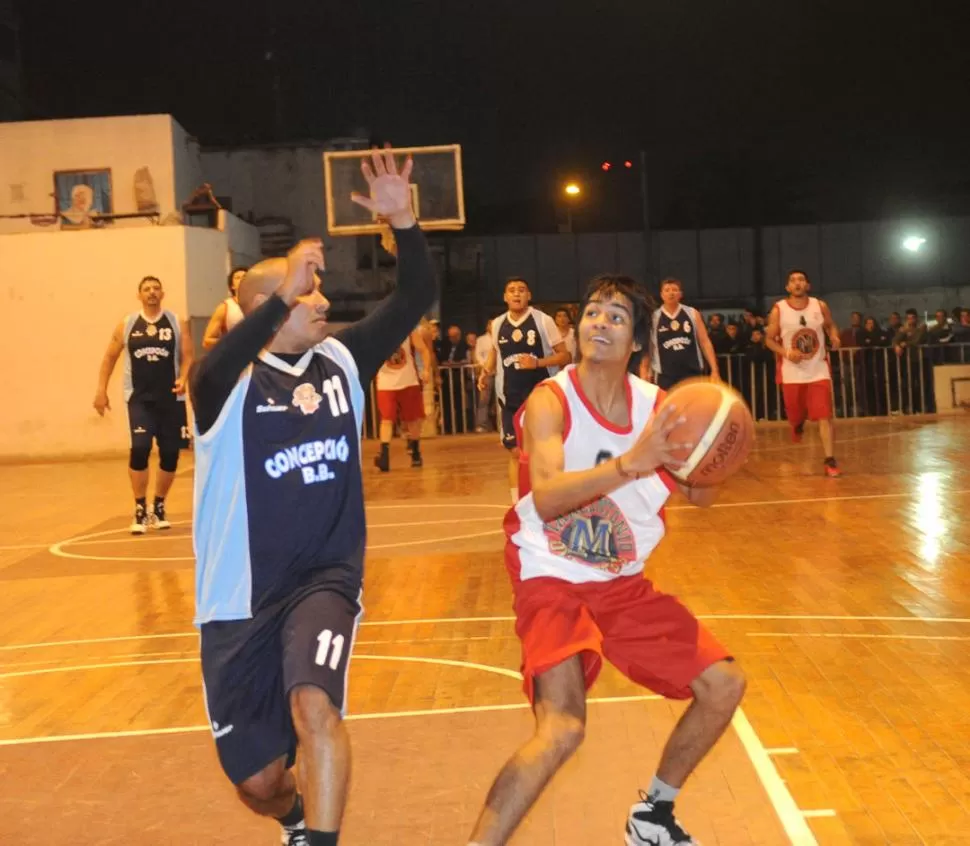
(373, 340)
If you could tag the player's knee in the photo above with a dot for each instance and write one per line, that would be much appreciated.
(314, 715)
(138, 457)
(265, 786)
(168, 459)
(564, 732)
(721, 686)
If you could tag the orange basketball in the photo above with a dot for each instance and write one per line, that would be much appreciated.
(719, 425)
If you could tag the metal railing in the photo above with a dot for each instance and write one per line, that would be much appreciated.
(866, 382)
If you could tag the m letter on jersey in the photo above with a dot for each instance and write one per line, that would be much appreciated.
(596, 534)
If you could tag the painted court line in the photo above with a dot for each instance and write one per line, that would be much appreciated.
(389, 715)
(792, 819)
(856, 636)
(503, 619)
(820, 812)
(782, 750)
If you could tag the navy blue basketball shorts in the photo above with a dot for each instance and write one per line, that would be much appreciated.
(165, 423)
(508, 412)
(249, 668)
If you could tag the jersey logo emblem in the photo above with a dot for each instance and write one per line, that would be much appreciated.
(596, 535)
(675, 325)
(150, 330)
(516, 335)
(306, 398)
(805, 341)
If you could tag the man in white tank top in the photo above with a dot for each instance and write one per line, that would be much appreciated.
(590, 513)
(227, 313)
(399, 397)
(796, 332)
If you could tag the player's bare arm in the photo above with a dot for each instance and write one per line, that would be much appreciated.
(707, 348)
(422, 346)
(188, 356)
(773, 338)
(488, 370)
(111, 355)
(213, 331)
(557, 492)
(829, 326)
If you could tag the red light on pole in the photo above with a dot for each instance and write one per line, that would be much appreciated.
(606, 165)
(627, 164)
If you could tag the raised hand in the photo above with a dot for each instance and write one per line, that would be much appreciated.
(654, 448)
(302, 264)
(390, 194)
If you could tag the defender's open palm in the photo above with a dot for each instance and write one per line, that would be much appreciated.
(654, 447)
(390, 194)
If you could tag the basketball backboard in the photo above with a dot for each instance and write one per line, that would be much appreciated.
(437, 193)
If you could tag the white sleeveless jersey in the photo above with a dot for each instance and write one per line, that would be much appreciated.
(803, 330)
(611, 536)
(233, 312)
(399, 371)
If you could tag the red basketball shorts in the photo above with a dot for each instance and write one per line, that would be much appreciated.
(808, 401)
(406, 404)
(647, 635)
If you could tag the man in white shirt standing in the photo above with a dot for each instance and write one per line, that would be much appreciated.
(483, 346)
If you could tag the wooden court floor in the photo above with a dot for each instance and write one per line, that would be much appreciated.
(847, 602)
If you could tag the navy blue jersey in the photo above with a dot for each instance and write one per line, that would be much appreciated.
(152, 352)
(675, 350)
(279, 493)
(535, 334)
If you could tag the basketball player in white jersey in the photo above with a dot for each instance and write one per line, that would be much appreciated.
(796, 332)
(400, 397)
(158, 353)
(227, 313)
(593, 494)
(526, 348)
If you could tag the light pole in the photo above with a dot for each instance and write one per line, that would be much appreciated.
(572, 191)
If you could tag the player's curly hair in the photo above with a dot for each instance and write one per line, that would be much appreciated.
(610, 284)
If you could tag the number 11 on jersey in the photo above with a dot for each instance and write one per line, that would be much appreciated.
(334, 391)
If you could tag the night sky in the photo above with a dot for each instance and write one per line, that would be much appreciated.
(750, 112)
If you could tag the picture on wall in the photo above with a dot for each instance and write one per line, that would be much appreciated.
(83, 197)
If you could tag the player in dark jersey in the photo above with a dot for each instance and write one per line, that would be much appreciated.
(158, 352)
(279, 528)
(679, 342)
(526, 349)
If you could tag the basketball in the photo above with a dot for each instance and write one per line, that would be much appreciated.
(719, 425)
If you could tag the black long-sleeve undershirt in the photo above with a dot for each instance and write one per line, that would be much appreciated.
(371, 341)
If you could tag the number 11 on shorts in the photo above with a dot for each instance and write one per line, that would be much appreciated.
(329, 647)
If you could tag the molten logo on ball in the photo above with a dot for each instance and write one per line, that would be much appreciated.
(724, 450)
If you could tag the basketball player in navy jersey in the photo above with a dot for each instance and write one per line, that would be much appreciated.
(279, 528)
(526, 348)
(158, 352)
(227, 313)
(591, 512)
(679, 343)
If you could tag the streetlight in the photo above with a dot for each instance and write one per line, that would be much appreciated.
(913, 243)
(572, 191)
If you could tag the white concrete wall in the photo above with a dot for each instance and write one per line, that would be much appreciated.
(31, 151)
(63, 294)
(186, 164)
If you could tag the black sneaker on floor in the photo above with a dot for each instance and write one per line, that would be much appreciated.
(159, 520)
(654, 824)
(382, 463)
(140, 524)
(295, 837)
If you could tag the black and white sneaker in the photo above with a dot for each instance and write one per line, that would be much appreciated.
(140, 524)
(295, 836)
(653, 824)
(159, 520)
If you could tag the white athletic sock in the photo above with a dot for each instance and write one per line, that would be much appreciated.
(660, 791)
